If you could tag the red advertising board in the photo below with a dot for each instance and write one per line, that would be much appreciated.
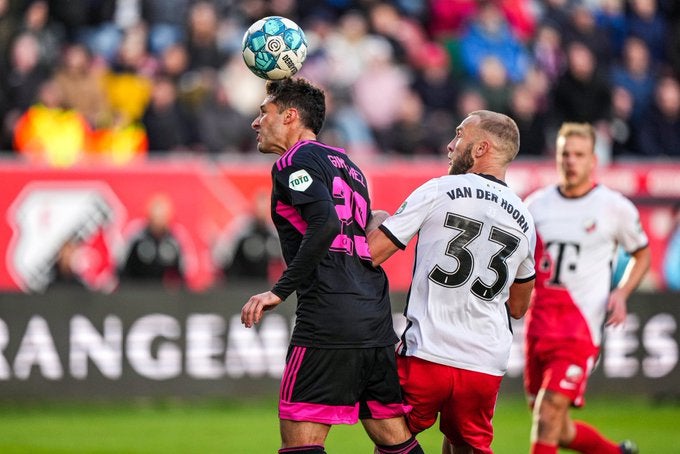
(104, 206)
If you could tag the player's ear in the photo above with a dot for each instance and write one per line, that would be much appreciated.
(290, 115)
(481, 148)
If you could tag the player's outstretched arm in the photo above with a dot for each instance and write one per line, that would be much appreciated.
(257, 304)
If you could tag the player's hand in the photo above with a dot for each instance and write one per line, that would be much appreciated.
(252, 311)
(616, 308)
(377, 218)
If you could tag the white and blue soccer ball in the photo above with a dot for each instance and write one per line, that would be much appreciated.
(274, 48)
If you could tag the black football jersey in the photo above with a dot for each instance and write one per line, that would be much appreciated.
(343, 302)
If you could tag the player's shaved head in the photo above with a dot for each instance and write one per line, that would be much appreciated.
(503, 129)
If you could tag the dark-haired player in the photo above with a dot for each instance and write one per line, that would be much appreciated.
(340, 366)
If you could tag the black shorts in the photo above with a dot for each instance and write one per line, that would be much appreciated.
(340, 386)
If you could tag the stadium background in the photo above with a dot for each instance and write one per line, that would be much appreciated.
(113, 342)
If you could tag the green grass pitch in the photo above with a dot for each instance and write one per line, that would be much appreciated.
(245, 427)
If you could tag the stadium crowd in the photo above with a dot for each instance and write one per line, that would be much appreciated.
(119, 79)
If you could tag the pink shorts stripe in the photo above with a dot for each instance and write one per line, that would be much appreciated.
(290, 373)
(323, 414)
(387, 411)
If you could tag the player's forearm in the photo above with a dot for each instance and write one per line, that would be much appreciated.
(637, 268)
(381, 247)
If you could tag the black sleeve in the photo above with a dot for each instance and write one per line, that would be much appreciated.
(323, 226)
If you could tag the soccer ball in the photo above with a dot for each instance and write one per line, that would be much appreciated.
(274, 48)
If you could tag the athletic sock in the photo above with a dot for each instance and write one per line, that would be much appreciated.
(589, 441)
(541, 448)
(309, 449)
(410, 446)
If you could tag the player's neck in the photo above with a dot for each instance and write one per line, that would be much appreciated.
(299, 136)
(576, 190)
(494, 171)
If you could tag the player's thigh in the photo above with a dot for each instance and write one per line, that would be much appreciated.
(466, 418)
(426, 386)
(302, 433)
(566, 368)
(322, 385)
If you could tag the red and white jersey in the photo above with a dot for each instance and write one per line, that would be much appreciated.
(475, 238)
(579, 237)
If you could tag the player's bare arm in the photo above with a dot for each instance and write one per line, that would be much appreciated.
(520, 295)
(637, 268)
(381, 246)
(257, 304)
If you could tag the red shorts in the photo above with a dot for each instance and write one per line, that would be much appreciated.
(465, 399)
(559, 366)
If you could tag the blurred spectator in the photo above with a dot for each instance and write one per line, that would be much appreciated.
(449, 17)
(21, 80)
(351, 38)
(345, 126)
(583, 29)
(8, 28)
(434, 82)
(66, 269)
(581, 94)
(490, 35)
(531, 123)
(128, 85)
(154, 254)
(611, 18)
(407, 37)
(621, 126)
(671, 263)
(220, 127)
(49, 34)
(99, 30)
(409, 135)
(166, 20)
(202, 36)
(547, 51)
(556, 13)
(646, 22)
(493, 85)
(49, 133)
(379, 90)
(256, 254)
(636, 75)
(659, 133)
(81, 85)
(168, 126)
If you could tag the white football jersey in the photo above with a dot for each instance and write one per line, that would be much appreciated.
(580, 237)
(475, 238)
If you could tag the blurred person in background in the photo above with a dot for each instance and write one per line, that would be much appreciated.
(671, 262)
(220, 127)
(154, 255)
(622, 129)
(659, 131)
(256, 255)
(579, 224)
(530, 121)
(65, 273)
(49, 34)
(636, 74)
(493, 85)
(49, 133)
(583, 29)
(580, 94)
(80, 80)
(645, 20)
(169, 127)
(489, 35)
(202, 29)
